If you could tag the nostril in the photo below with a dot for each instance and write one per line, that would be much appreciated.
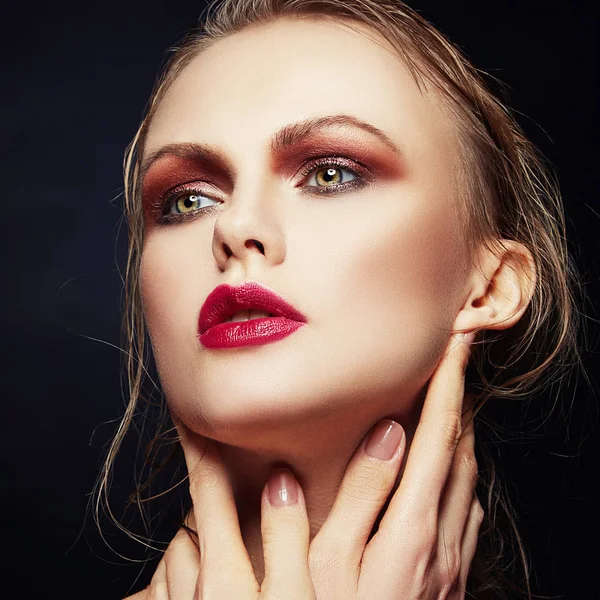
(258, 244)
(227, 250)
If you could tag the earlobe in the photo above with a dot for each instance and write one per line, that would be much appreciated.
(500, 287)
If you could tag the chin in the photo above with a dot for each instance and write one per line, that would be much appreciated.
(267, 408)
(250, 396)
(231, 409)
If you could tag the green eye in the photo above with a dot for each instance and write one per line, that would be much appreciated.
(188, 203)
(330, 175)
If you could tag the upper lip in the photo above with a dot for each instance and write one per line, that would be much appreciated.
(225, 300)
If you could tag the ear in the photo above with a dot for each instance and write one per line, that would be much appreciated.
(500, 287)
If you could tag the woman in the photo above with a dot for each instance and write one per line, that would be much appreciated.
(330, 216)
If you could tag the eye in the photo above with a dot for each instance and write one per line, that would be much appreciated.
(190, 202)
(328, 175)
(333, 175)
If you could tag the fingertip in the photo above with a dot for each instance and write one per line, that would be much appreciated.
(285, 532)
(386, 440)
(462, 338)
(282, 488)
(195, 449)
(462, 342)
(469, 338)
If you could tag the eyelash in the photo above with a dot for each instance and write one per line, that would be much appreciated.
(358, 170)
(163, 206)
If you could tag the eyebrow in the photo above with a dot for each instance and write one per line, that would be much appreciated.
(294, 133)
(289, 135)
(187, 150)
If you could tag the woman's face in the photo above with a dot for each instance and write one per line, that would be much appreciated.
(357, 218)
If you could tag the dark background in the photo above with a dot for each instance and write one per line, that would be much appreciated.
(75, 80)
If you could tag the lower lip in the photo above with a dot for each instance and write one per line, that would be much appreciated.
(248, 333)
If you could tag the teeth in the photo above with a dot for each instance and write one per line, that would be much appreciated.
(246, 315)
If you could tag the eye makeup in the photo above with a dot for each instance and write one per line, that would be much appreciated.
(188, 169)
(360, 172)
(354, 145)
(164, 208)
(170, 176)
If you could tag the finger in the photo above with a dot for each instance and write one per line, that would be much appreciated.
(457, 498)
(470, 539)
(285, 535)
(224, 561)
(142, 595)
(158, 586)
(456, 506)
(435, 440)
(182, 560)
(367, 483)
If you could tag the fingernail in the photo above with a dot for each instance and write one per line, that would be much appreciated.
(282, 488)
(384, 440)
(469, 337)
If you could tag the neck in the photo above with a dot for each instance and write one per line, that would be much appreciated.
(317, 455)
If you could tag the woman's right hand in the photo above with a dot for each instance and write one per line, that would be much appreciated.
(422, 549)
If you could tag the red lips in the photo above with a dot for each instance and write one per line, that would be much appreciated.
(225, 300)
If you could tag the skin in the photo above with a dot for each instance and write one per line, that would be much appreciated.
(382, 272)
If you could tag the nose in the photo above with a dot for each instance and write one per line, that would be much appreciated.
(249, 230)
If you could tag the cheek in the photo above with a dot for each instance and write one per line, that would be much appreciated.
(426, 261)
(386, 254)
(159, 285)
(395, 277)
(171, 291)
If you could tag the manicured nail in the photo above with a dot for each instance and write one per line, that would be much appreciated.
(282, 488)
(385, 439)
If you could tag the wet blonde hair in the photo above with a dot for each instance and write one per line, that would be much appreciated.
(509, 194)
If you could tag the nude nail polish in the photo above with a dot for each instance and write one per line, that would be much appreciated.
(384, 440)
(282, 489)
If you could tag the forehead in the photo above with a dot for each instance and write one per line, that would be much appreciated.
(245, 87)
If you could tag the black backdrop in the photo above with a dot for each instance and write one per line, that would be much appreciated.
(75, 79)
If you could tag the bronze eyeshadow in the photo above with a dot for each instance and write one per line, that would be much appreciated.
(179, 164)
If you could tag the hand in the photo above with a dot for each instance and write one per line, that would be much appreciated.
(422, 550)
